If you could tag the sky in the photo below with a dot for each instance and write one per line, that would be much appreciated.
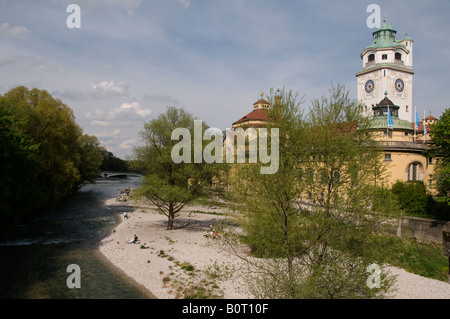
(130, 60)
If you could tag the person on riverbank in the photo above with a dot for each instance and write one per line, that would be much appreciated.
(125, 215)
(134, 240)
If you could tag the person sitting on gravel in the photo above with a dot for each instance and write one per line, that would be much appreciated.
(211, 233)
(134, 240)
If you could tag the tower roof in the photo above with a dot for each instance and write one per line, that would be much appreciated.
(380, 112)
(385, 27)
(257, 116)
(384, 37)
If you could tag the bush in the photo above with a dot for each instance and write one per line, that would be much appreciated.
(414, 201)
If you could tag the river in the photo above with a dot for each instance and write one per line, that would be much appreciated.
(34, 256)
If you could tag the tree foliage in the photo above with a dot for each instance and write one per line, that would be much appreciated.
(113, 163)
(167, 185)
(414, 200)
(440, 135)
(312, 221)
(48, 155)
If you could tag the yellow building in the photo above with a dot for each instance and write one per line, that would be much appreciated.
(404, 149)
(387, 70)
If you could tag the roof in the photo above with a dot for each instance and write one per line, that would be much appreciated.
(380, 122)
(384, 37)
(255, 115)
(261, 101)
(386, 102)
(406, 38)
(420, 130)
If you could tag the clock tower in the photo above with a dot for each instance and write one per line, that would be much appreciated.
(387, 67)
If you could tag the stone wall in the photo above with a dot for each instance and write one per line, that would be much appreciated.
(423, 229)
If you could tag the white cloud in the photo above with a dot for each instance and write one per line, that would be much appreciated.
(128, 144)
(124, 113)
(108, 135)
(100, 123)
(162, 99)
(13, 31)
(103, 5)
(131, 110)
(110, 87)
(186, 3)
(101, 90)
(31, 63)
(97, 114)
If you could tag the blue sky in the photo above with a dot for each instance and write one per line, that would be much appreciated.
(131, 59)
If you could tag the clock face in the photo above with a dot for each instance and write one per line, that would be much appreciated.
(399, 85)
(369, 86)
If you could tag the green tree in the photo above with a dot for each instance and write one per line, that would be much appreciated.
(113, 163)
(91, 158)
(51, 123)
(19, 170)
(312, 221)
(63, 156)
(440, 136)
(167, 185)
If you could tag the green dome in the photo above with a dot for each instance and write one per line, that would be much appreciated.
(406, 38)
(384, 37)
(385, 26)
(380, 122)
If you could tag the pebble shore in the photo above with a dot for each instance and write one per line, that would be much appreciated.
(182, 262)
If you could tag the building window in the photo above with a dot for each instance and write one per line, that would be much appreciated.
(387, 157)
(371, 57)
(414, 172)
(407, 108)
(398, 56)
(384, 57)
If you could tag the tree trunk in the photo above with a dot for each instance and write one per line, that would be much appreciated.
(171, 217)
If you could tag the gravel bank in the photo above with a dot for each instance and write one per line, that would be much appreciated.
(172, 264)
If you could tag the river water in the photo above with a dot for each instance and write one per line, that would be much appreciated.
(34, 256)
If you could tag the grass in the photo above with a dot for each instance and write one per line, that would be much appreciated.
(426, 260)
(207, 200)
(193, 287)
(208, 213)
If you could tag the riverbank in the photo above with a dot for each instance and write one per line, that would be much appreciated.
(178, 263)
(183, 263)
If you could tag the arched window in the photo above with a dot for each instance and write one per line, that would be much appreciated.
(371, 57)
(414, 172)
(398, 56)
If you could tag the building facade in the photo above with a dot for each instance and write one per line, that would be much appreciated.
(387, 67)
(385, 91)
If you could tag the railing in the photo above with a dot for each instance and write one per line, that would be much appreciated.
(419, 145)
(396, 62)
(370, 63)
